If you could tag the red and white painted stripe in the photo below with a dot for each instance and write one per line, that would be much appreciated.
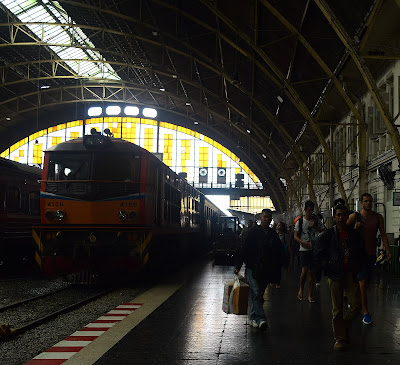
(65, 349)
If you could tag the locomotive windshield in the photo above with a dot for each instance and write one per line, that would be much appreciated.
(71, 166)
(116, 167)
(94, 166)
(93, 175)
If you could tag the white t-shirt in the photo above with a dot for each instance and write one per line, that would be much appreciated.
(308, 233)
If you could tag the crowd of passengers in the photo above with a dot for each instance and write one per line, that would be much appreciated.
(345, 253)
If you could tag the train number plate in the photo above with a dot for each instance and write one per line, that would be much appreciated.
(55, 204)
(128, 204)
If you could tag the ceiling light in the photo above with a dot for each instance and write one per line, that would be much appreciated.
(248, 131)
(174, 76)
(8, 118)
(94, 111)
(280, 99)
(113, 110)
(188, 104)
(264, 156)
(149, 112)
(196, 122)
(162, 89)
(44, 86)
(154, 33)
(131, 110)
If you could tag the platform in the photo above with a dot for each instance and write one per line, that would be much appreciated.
(181, 322)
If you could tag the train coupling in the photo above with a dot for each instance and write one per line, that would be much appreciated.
(7, 331)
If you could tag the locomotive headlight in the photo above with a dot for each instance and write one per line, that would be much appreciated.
(122, 215)
(49, 215)
(60, 215)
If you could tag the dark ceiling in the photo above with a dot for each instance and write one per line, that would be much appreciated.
(282, 70)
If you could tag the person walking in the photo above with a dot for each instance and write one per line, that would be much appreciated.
(368, 222)
(284, 237)
(340, 252)
(305, 233)
(263, 254)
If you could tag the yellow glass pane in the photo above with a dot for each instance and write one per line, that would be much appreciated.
(21, 153)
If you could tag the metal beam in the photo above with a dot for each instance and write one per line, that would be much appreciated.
(365, 73)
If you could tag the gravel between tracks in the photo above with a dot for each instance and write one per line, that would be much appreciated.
(22, 348)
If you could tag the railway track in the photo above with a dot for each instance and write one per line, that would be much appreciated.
(31, 299)
(24, 315)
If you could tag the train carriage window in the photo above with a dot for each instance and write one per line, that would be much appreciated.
(71, 166)
(2, 196)
(34, 202)
(24, 202)
(13, 199)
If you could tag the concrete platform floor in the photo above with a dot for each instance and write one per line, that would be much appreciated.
(191, 328)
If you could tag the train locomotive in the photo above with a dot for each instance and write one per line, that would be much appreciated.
(109, 206)
(19, 210)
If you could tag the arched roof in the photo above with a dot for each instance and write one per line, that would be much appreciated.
(266, 79)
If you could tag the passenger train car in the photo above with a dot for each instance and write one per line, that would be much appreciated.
(19, 210)
(109, 206)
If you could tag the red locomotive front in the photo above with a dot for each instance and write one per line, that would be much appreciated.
(93, 207)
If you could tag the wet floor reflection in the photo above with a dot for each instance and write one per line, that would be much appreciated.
(191, 328)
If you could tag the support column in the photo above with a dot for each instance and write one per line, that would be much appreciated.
(362, 159)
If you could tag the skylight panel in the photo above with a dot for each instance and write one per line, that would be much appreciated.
(60, 38)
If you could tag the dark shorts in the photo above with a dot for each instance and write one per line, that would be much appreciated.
(369, 269)
(306, 258)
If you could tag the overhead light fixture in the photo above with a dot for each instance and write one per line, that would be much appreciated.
(174, 76)
(149, 112)
(248, 131)
(154, 33)
(131, 110)
(8, 118)
(162, 89)
(264, 156)
(95, 111)
(45, 86)
(113, 110)
(196, 122)
(188, 104)
(280, 99)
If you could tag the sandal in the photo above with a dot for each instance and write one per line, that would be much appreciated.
(299, 297)
(311, 300)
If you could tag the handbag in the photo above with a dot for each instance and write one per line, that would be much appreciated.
(236, 295)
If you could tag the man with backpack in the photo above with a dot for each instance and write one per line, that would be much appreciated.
(264, 256)
(368, 222)
(340, 251)
(305, 233)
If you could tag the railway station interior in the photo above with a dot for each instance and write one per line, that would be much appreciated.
(132, 127)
